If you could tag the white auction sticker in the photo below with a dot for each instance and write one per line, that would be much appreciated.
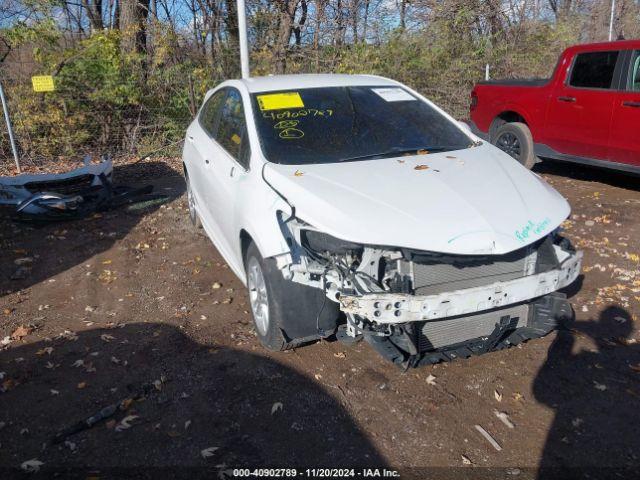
(394, 94)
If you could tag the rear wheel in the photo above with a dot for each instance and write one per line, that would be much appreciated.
(191, 202)
(515, 139)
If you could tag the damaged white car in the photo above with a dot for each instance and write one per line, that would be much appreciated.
(351, 205)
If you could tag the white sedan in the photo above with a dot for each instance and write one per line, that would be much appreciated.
(350, 205)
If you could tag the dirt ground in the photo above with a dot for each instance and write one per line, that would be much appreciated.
(136, 310)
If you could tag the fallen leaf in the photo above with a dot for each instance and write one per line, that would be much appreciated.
(124, 423)
(20, 332)
(339, 355)
(421, 167)
(599, 386)
(275, 407)
(44, 350)
(187, 424)
(82, 385)
(106, 337)
(54, 392)
(32, 465)
(208, 452)
(498, 395)
(431, 380)
(216, 285)
(465, 460)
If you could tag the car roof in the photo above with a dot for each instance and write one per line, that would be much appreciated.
(289, 82)
(602, 46)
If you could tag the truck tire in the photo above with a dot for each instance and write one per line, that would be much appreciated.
(515, 139)
(285, 314)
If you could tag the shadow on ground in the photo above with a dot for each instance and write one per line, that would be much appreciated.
(60, 246)
(586, 173)
(596, 397)
(250, 411)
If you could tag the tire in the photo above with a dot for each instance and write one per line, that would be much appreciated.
(292, 310)
(191, 203)
(515, 139)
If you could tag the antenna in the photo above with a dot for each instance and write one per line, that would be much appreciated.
(242, 31)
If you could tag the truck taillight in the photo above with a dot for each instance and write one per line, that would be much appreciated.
(474, 100)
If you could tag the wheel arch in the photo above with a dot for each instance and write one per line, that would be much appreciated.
(506, 116)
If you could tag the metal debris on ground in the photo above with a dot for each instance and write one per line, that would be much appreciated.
(72, 195)
(488, 437)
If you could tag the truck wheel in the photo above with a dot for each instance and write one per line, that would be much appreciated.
(515, 139)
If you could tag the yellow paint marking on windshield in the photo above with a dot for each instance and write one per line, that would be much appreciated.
(278, 101)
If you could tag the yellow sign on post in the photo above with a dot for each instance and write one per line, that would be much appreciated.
(42, 83)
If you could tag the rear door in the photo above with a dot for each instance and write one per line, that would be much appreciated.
(625, 126)
(200, 145)
(581, 108)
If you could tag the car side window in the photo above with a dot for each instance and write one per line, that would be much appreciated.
(232, 131)
(634, 81)
(594, 70)
(209, 114)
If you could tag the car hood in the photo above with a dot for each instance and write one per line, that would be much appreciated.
(472, 201)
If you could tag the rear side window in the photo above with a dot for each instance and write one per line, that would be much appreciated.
(594, 70)
(634, 80)
(210, 112)
(232, 131)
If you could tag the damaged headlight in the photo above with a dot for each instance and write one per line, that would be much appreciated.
(324, 243)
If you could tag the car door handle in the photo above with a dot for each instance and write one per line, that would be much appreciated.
(567, 99)
(631, 104)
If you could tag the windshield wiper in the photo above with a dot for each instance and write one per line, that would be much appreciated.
(395, 152)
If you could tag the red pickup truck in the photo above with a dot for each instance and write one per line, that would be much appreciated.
(587, 112)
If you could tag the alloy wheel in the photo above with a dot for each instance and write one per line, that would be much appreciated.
(509, 143)
(258, 296)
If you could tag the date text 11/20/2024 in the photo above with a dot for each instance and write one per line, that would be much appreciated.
(316, 473)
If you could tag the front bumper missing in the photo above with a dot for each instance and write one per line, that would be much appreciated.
(506, 327)
(392, 308)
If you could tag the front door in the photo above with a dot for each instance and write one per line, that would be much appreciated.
(625, 127)
(229, 165)
(580, 109)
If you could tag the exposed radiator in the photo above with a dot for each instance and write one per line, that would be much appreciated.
(433, 276)
(441, 333)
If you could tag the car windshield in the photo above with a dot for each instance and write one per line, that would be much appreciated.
(338, 124)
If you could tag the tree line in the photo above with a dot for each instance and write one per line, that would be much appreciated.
(130, 74)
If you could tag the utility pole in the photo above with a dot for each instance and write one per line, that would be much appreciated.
(242, 32)
(12, 140)
(613, 10)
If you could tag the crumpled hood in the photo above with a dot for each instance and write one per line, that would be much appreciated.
(473, 201)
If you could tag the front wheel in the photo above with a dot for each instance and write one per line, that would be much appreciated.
(515, 139)
(286, 314)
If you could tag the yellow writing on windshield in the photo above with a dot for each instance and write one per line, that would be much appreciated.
(278, 101)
